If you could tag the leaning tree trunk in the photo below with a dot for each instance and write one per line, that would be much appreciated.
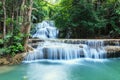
(27, 24)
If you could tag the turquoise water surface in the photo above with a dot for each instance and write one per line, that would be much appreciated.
(82, 69)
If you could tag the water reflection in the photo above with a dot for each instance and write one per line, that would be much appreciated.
(47, 72)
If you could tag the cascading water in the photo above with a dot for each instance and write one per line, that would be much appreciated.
(62, 50)
(46, 29)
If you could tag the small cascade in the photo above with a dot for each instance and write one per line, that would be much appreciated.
(46, 29)
(96, 49)
(64, 51)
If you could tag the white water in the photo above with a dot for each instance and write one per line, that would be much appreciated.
(64, 51)
(46, 29)
(54, 50)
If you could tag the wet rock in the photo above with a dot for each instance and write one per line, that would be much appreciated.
(35, 40)
(81, 46)
(112, 51)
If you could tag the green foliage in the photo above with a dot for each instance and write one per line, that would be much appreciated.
(43, 10)
(88, 17)
(12, 20)
(115, 32)
(1, 41)
(16, 48)
(91, 18)
(39, 12)
(2, 50)
(14, 44)
(8, 21)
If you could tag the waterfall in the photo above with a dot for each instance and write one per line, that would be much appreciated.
(46, 29)
(63, 49)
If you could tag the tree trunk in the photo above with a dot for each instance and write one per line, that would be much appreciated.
(4, 22)
(27, 24)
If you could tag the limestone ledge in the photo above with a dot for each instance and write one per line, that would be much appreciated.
(112, 51)
(77, 41)
(18, 58)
